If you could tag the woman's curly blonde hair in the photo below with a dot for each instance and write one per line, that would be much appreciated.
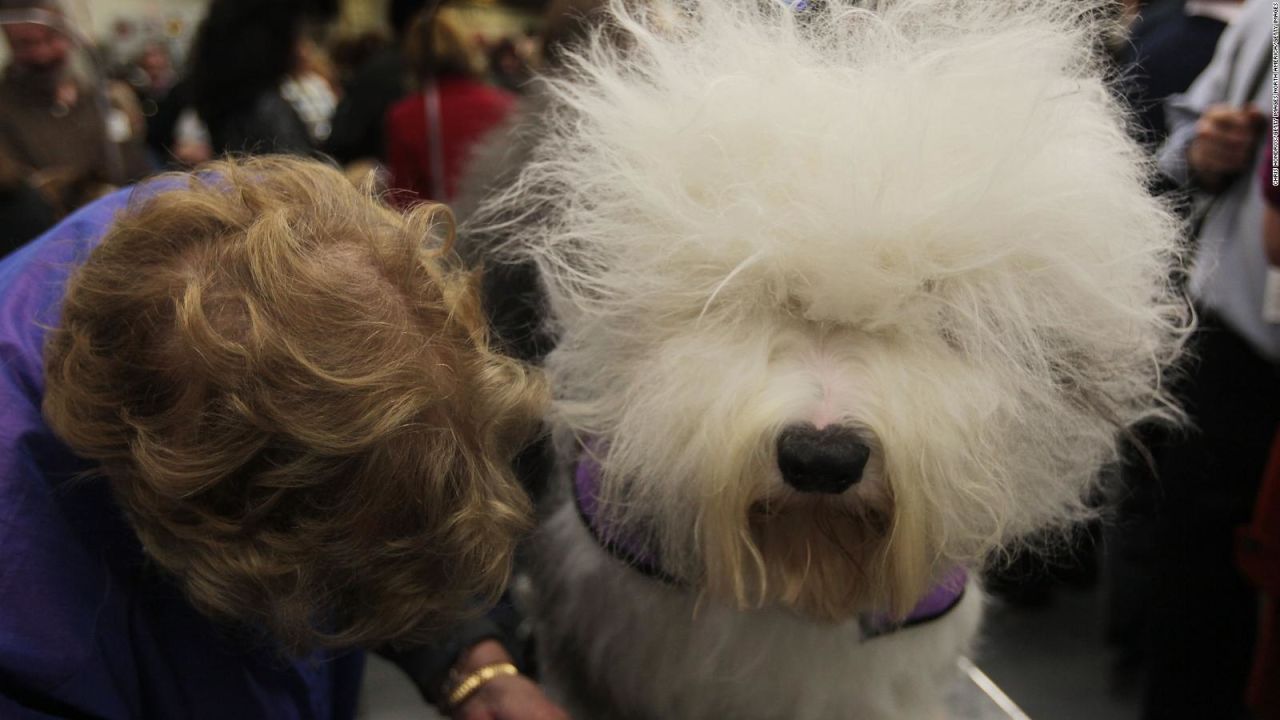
(291, 390)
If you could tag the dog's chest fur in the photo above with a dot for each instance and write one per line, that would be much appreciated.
(615, 644)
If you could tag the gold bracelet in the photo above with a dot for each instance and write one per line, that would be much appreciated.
(467, 686)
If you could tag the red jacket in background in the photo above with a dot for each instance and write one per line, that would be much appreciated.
(468, 110)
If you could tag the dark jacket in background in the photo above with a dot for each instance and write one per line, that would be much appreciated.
(1167, 51)
(24, 214)
(271, 125)
(358, 123)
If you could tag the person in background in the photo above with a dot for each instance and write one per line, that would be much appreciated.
(63, 134)
(430, 134)
(312, 90)
(175, 134)
(512, 294)
(250, 423)
(1171, 43)
(510, 70)
(350, 53)
(381, 81)
(1203, 613)
(152, 76)
(244, 52)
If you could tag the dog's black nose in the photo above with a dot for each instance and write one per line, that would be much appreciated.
(829, 460)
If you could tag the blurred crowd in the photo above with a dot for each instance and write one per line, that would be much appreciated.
(80, 116)
(1193, 558)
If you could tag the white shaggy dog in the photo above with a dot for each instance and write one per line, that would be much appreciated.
(847, 297)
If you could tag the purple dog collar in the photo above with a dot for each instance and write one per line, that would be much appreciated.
(630, 550)
(941, 599)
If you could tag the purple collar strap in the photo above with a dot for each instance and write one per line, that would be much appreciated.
(631, 550)
(941, 599)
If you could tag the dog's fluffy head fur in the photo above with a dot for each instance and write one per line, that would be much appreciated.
(922, 219)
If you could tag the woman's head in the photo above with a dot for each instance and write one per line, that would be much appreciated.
(291, 390)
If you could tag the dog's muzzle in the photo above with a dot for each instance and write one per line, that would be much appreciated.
(830, 460)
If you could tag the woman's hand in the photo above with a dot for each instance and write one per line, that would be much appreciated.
(507, 697)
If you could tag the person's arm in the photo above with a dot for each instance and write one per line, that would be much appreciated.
(506, 697)
(1184, 111)
(463, 650)
(428, 665)
(1223, 145)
